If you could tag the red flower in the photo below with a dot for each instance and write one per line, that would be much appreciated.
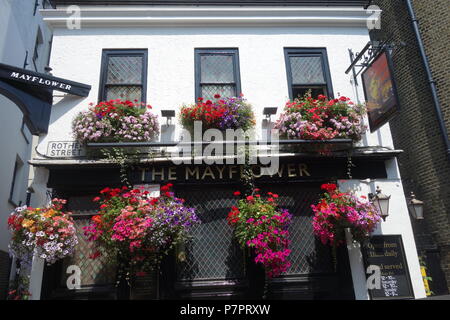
(105, 190)
(250, 198)
(97, 219)
(103, 206)
(217, 96)
(95, 255)
(236, 193)
(329, 187)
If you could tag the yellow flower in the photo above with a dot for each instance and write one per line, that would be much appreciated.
(26, 223)
(49, 213)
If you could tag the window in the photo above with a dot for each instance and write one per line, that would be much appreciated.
(217, 71)
(124, 75)
(37, 48)
(308, 69)
(16, 185)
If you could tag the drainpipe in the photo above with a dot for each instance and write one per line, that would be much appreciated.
(431, 81)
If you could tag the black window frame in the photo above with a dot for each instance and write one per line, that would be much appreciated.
(234, 52)
(309, 52)
(18, 165)
(106, 54)
(37, 47)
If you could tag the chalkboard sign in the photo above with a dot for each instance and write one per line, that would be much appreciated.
(387, 255)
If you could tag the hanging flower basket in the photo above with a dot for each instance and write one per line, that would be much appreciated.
(136, 231)
(116, 121)
(222, 114)
(260, 226)
(337, 211)
(321, 119)
(48, 232)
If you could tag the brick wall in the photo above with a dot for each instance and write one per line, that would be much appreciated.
(5, 264)
(424, 166)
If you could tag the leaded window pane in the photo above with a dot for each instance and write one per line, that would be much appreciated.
(208, 91)
(307, 70)
(212, 252)
(217, 69)
(130, 93)
(125, 70)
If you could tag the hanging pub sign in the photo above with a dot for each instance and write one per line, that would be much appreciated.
(384, 256)
(380, 91)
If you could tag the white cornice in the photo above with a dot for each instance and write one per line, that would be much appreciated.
(133, 16)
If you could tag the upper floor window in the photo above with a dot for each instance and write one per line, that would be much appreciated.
(17, 182)
(217, 72)
(123, 75)
(308, 70)
(37, 48)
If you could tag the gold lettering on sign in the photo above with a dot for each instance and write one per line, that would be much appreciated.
(231, 171)
(208, 172)
(190, 172)
(259, 175)
(220, 171)
(291, 171)
(303, 168)
(172, 173)
(157, 173)
(280, 171)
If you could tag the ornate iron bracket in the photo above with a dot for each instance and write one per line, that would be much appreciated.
(361, 60)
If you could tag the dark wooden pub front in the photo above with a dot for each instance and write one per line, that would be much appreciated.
(213, 266)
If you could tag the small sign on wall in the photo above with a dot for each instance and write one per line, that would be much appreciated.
(386, 255)
(64, 149)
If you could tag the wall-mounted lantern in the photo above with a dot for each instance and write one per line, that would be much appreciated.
(381, 202)
(415, 207)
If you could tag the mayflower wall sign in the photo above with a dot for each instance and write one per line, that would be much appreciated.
(43, 80)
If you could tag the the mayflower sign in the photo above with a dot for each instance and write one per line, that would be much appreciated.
(43, 80)
(39, 80)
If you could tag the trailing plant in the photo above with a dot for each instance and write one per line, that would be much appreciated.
(50, 232)
(260, 225)
(322, 119)
(135, 231)
(116, 121)
(19, 288)
(222, 114)
(337, 211)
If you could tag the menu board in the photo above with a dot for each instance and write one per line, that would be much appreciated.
(386, 254)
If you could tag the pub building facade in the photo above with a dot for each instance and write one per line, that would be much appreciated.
(154, 50)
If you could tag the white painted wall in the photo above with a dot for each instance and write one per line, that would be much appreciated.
(398, 223)
(13, 144)
(76, 55)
